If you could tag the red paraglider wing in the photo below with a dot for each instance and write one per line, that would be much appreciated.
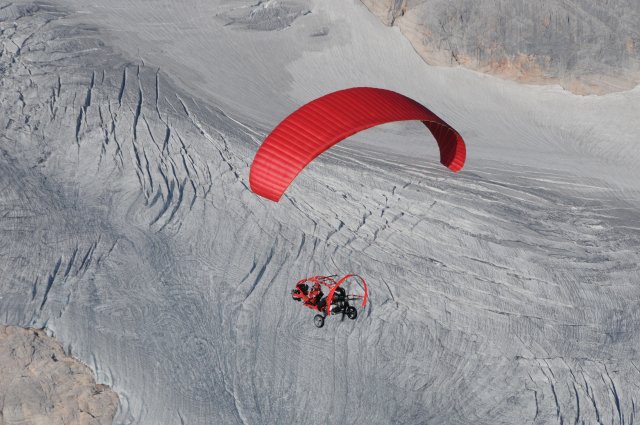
(323, 122)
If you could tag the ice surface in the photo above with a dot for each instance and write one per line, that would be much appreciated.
(503, 294)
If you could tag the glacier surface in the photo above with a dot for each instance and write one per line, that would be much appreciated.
(507, 293)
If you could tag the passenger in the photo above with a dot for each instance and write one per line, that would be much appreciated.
(315, 295)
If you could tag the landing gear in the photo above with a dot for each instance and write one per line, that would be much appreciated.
(352, 313)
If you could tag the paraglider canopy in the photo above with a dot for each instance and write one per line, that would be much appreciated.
(325, 121)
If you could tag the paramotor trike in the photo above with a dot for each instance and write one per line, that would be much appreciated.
(309, 291)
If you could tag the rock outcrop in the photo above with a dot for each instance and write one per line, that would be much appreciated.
(41, 385)
(588, 47)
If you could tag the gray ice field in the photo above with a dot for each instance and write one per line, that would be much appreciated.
(505, 294)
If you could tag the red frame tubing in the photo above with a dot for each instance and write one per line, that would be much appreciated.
(338, 283)
(317, 279)
(323, 122)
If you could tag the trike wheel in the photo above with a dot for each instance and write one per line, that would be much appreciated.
(352, 313)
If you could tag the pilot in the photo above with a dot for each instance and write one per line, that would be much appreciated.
(315, 294)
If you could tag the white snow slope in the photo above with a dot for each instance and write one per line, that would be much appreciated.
(505, 294)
